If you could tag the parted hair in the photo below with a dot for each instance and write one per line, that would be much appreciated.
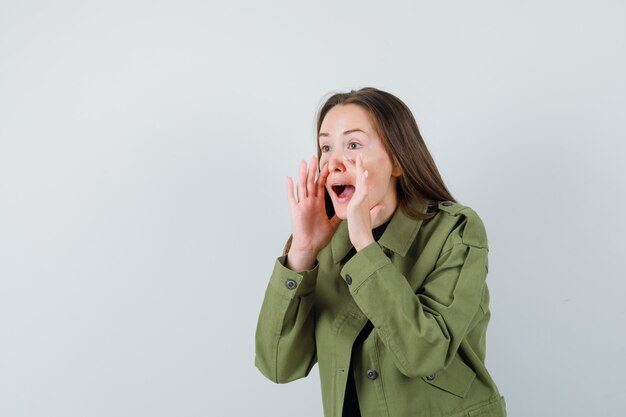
(420, 181)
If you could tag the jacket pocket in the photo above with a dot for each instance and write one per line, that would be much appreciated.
(456, 379)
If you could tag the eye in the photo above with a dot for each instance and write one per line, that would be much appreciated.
(325, 148)
(354, 145)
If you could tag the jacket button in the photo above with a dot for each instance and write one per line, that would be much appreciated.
(372, 374)
(348, 279)
(447, 203)
(291, 284)
(431, 377)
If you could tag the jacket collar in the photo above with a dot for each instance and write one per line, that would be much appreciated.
(398, 236)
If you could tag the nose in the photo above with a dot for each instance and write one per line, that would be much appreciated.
(335, 161)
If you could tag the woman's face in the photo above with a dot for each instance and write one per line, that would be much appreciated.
(347, 131)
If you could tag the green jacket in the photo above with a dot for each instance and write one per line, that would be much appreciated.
(423, 287)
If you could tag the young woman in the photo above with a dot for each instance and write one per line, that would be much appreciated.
(382, 282)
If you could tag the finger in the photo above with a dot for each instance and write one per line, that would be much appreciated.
(360, 177)
(290, 197)
(302, 181)
(361, 190)
(349, 163)
(364, 181)
(310, 183)
(321, 180)
(351, 167)
(359, 164)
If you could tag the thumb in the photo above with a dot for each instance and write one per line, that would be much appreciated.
(375, 212)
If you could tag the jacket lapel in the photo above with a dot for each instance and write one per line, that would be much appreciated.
(398, 236)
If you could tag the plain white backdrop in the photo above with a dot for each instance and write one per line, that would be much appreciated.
(143, 152)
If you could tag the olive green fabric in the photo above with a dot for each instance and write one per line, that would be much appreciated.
(423, 287)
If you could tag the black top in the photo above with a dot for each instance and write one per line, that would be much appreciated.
(351, 401)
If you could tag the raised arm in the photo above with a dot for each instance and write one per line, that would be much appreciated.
(285, 335)
(424, 327)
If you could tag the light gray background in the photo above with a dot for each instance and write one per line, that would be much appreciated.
(143, 151)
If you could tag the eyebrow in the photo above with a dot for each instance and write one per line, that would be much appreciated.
(347, 132)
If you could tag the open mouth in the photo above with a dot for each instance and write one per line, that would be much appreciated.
(343, 191)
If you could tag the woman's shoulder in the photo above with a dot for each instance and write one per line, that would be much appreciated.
(468, 229)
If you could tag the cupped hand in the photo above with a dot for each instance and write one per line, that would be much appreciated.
(360, 215)
(311, 227)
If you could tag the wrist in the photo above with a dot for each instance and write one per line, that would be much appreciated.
(299, 261)
(363, 243)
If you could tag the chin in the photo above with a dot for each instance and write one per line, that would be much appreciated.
(340, 212)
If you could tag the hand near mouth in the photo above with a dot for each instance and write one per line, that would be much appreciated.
(311, 227)
(360, 215)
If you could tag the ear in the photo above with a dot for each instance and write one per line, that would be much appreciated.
(396, 171)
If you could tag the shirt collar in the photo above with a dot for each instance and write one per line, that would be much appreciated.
(398, 236)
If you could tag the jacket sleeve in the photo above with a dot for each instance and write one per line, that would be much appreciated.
(423, 330)
(285, 333)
